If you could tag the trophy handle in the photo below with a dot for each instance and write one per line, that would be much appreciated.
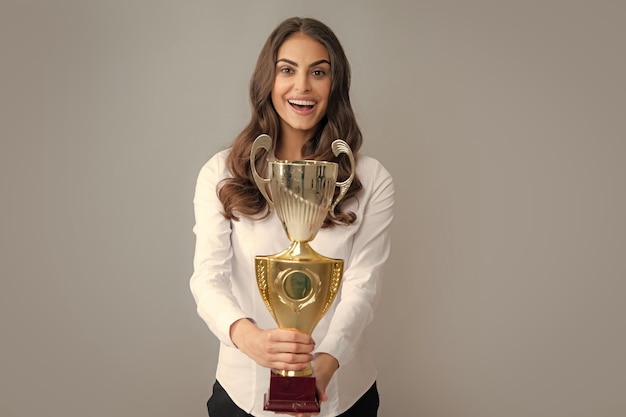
(338, 147)
(264, 142)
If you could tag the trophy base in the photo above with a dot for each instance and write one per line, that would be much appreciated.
(291, 394)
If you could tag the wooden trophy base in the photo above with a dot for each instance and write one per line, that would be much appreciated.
(291, 394)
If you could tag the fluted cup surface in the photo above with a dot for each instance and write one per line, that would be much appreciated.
(302, 192)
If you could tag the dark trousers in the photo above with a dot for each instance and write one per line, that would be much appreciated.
(221, 405)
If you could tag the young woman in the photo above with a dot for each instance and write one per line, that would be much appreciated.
(300, 97)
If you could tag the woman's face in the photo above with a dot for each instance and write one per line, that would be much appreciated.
(301, 86)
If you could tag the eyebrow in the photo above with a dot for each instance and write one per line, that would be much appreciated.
(290, 62)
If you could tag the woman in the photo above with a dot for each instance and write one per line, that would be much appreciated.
(300, 97)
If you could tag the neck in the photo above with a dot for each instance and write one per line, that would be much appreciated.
(290, 148)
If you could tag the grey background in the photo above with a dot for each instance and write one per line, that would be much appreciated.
(501, 121)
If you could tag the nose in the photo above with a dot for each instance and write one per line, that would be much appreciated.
(302, 82)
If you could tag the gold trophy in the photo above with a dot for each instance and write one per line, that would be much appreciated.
(298, 285)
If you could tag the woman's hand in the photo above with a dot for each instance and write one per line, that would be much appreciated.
(276, 348)
(324, 367)
(284, 349)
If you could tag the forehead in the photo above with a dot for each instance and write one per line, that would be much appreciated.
(302, 48)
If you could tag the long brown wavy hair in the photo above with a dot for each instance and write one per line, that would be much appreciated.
(239, 194)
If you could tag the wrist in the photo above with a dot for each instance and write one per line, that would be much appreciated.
(326, 363)
(239, 329)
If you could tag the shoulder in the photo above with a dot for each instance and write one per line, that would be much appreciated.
(377, 182)
(219, 158)
(371, 172)
(216, 165)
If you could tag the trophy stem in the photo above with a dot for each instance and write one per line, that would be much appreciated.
(299, 251)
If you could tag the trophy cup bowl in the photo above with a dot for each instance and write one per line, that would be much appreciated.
(298, 285)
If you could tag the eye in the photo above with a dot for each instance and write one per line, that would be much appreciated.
(285, 70)
(319, 73)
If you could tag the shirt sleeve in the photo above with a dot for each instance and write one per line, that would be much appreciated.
(362, 279)
(211, 280)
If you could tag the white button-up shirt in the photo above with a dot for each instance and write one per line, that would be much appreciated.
(225, 289)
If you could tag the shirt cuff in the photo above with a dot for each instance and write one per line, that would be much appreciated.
(337, 346)
(220, 326)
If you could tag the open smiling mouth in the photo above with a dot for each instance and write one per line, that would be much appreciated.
(302, 104)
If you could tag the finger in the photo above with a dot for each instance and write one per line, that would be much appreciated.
(320, 386)
(294, 336)
(289, 347)
(321, 395)
(288, 341)
(288, 365)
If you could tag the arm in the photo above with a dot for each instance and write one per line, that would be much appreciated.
(360, 289)
(211, 280)
(212, 289)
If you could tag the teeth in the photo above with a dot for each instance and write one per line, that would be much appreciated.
(302, 102)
